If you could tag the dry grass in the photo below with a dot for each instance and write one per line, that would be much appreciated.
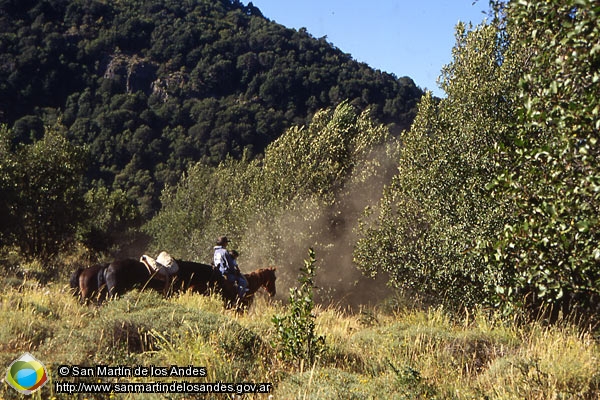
(375, 353)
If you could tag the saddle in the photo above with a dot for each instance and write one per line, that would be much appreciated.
(164, 265)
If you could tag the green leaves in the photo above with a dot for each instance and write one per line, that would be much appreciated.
(297, 340)
(437, 209)
(42, 192)
(290, 199)
(553, 253)
(496, 200)
(155, 86)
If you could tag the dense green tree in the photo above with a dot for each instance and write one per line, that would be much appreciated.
(496, 199)
(206, 203)
(424, 231)
(28, 129)
(109, 215)
(8, 194)
(549, 251)
(42, 192)
(308, 189)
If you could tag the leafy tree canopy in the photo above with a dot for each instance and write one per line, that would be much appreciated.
(548, 250)
(41, 192)
(425, 229)
(496, 200)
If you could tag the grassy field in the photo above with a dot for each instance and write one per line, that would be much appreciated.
(388, 351)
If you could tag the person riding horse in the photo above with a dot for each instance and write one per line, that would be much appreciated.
(229, 268)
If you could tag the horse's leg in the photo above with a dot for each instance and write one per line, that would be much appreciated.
(200, 288)
(248, 301)
(83, 289)
(101, 294)
(167, 286)
(229, 293)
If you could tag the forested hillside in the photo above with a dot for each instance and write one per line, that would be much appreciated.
(151, 87)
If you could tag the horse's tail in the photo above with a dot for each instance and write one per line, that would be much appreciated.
(102, 286)
(102, 276)
(74, 281)
(110, 278)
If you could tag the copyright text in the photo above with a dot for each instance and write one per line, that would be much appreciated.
(123, 371)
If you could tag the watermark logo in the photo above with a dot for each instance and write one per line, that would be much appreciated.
(26, 374)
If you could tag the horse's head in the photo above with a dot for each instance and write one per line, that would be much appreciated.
(268, 280)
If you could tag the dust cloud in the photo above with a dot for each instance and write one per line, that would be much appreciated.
(331, 232)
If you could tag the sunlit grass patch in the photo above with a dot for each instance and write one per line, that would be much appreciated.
(210, 302)
(377, 353)
(557, 361)
(30, 314)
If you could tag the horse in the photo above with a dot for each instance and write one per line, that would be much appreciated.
(124, 275)
(87, 282)
(196, 277)
(265, 278)
(261, 278)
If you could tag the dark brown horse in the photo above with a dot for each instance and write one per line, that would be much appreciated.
(89, 282)
(125, 275)
(261, 278)
(197, 277)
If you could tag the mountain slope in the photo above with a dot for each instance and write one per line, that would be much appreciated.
(152, 86)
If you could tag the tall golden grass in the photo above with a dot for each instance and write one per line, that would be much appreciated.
(378, 352)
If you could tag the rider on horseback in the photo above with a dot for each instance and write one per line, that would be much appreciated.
(229, 268)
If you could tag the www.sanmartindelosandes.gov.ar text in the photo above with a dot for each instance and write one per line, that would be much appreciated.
(130, 373)
(73, 387)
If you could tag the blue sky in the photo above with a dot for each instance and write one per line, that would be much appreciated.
(405, 37)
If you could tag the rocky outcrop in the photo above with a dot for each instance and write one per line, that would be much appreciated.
(169, 85)
(133, 72)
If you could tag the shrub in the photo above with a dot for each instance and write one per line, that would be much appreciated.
(297, 339)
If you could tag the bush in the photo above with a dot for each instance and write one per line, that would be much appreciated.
(297, 340)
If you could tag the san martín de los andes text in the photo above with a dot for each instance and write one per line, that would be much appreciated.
(118, 371)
